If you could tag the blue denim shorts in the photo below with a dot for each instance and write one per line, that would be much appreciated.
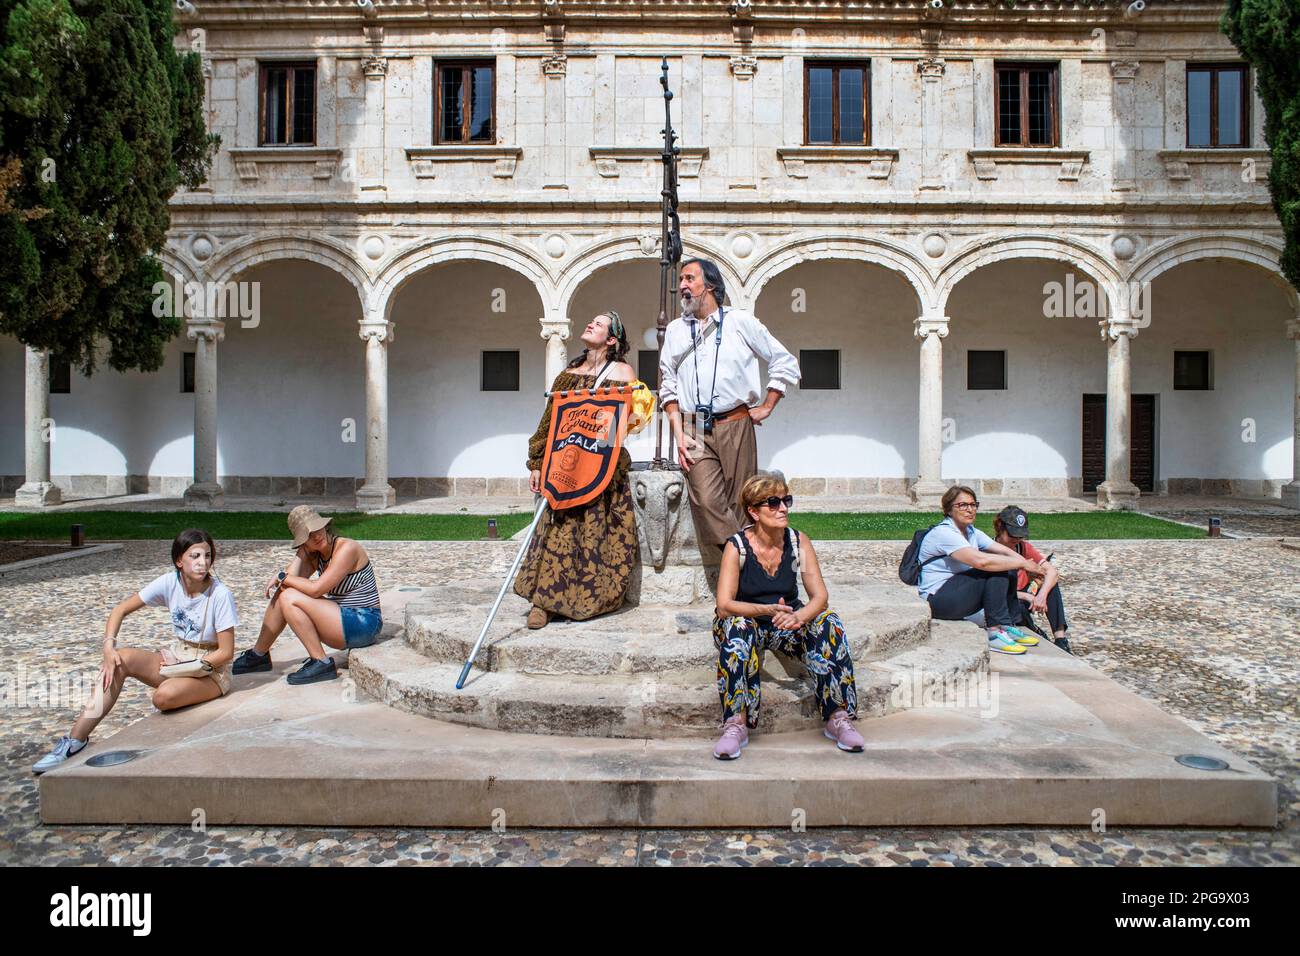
(360, 625)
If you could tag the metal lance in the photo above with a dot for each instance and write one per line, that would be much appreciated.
(670, 256)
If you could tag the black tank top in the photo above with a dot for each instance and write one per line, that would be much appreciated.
(756, 586)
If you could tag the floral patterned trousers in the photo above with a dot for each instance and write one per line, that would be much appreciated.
(820, 645)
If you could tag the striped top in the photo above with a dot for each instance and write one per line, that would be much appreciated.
(358, 589)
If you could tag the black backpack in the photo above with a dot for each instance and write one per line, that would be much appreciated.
(909, 569)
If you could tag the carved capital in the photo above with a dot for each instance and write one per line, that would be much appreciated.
(555, 330)
(376, 331)
(375, 67)
(927, 325)
(930, 68)
(1116, 326)
(1123, 69)
(557, 64)
(744, 67)
(210, 330)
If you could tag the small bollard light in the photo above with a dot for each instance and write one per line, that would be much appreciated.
(78, 535)
(492, 529)
(1215, 528)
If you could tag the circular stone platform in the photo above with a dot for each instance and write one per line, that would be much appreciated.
(644, 671)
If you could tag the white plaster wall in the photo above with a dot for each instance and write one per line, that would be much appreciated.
(1237, 313)
(110, 424)
(1033, 429)
(284, 387)
(866, 428)
(440, 423)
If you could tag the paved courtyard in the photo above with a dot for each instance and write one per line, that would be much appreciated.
(1206, 629)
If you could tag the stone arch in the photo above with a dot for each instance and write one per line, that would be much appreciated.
(229, 263)
(1264, 253)
(624, 248)
(445, 249)
(893, 256)
(999, 248)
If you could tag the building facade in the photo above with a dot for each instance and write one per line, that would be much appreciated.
(1027, 248)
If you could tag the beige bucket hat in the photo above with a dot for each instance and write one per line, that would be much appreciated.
(303, 520)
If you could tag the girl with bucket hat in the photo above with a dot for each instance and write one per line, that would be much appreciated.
(339, 607)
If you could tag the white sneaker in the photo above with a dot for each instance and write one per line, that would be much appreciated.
(65, 748)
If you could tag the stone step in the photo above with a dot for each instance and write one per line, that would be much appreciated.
(635, 640)
(629, 704)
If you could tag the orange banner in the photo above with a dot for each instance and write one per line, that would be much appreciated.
(587, 429)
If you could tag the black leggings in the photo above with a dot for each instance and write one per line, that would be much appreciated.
(963, 594)
(1055, 610)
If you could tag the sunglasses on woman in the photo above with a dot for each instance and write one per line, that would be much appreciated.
(774, 501)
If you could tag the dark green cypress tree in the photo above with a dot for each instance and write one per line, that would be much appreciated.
(1267, 32)
(100, 122)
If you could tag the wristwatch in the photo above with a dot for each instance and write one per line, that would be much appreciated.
(281, 576)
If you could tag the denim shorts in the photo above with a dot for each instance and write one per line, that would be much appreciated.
(360, 625)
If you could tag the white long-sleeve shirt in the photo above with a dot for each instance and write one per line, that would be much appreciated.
(745, 340)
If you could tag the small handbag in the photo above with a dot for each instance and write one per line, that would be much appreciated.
(196, 667)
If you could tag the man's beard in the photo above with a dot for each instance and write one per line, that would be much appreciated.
(690, 305)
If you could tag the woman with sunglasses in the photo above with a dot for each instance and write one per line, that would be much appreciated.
(963, 570)
(759, 609)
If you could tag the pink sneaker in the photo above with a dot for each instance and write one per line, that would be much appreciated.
(735, 735)
(840, 729)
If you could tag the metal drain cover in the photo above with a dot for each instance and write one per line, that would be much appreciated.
(410, 589)
(1199, 762)
(112, 758)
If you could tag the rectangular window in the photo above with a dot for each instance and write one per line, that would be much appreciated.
(836, 103)
(187, 373)
(465, 102)
(1193, 371)
(647, 366)
(1026, 104)
(819, 368)
(1216, 105)
(501, 371)
(288, 104)
(986, 370)
(60, 376)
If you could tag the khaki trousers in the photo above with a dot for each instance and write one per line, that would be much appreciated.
(723, 462)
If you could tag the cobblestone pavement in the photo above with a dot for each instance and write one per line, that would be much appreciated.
(1206, 629)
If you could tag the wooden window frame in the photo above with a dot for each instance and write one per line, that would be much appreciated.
(835, 66)
(1054, 98)
(291, 65)
(1214, 69)
(438, 67)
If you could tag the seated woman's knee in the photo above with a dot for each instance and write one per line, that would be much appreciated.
(167, 697)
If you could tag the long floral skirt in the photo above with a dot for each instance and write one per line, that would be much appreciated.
(580, 560)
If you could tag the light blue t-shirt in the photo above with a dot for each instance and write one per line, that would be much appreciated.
(944, 539)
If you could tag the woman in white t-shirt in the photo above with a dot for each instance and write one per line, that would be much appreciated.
(203, 620)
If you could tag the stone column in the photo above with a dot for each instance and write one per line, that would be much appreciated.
(931, 70)
(743, 175)
(1124, 124)
(931, 329)
(555, 333)
(371, 158)
(376, 493)
(1117, 492)
(206, 490)
(554, 159)
(1291, 491)
(37, 491)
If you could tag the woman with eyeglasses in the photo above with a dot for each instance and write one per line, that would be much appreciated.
(963, 570)
(759, 609)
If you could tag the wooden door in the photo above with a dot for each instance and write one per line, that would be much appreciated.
(1142, 442)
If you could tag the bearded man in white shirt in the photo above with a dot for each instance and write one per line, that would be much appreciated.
(709, 386)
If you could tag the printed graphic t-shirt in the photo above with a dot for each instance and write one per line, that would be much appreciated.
(187, 612)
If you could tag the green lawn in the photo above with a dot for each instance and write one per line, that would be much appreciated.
(123, 525)
(153, 525)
